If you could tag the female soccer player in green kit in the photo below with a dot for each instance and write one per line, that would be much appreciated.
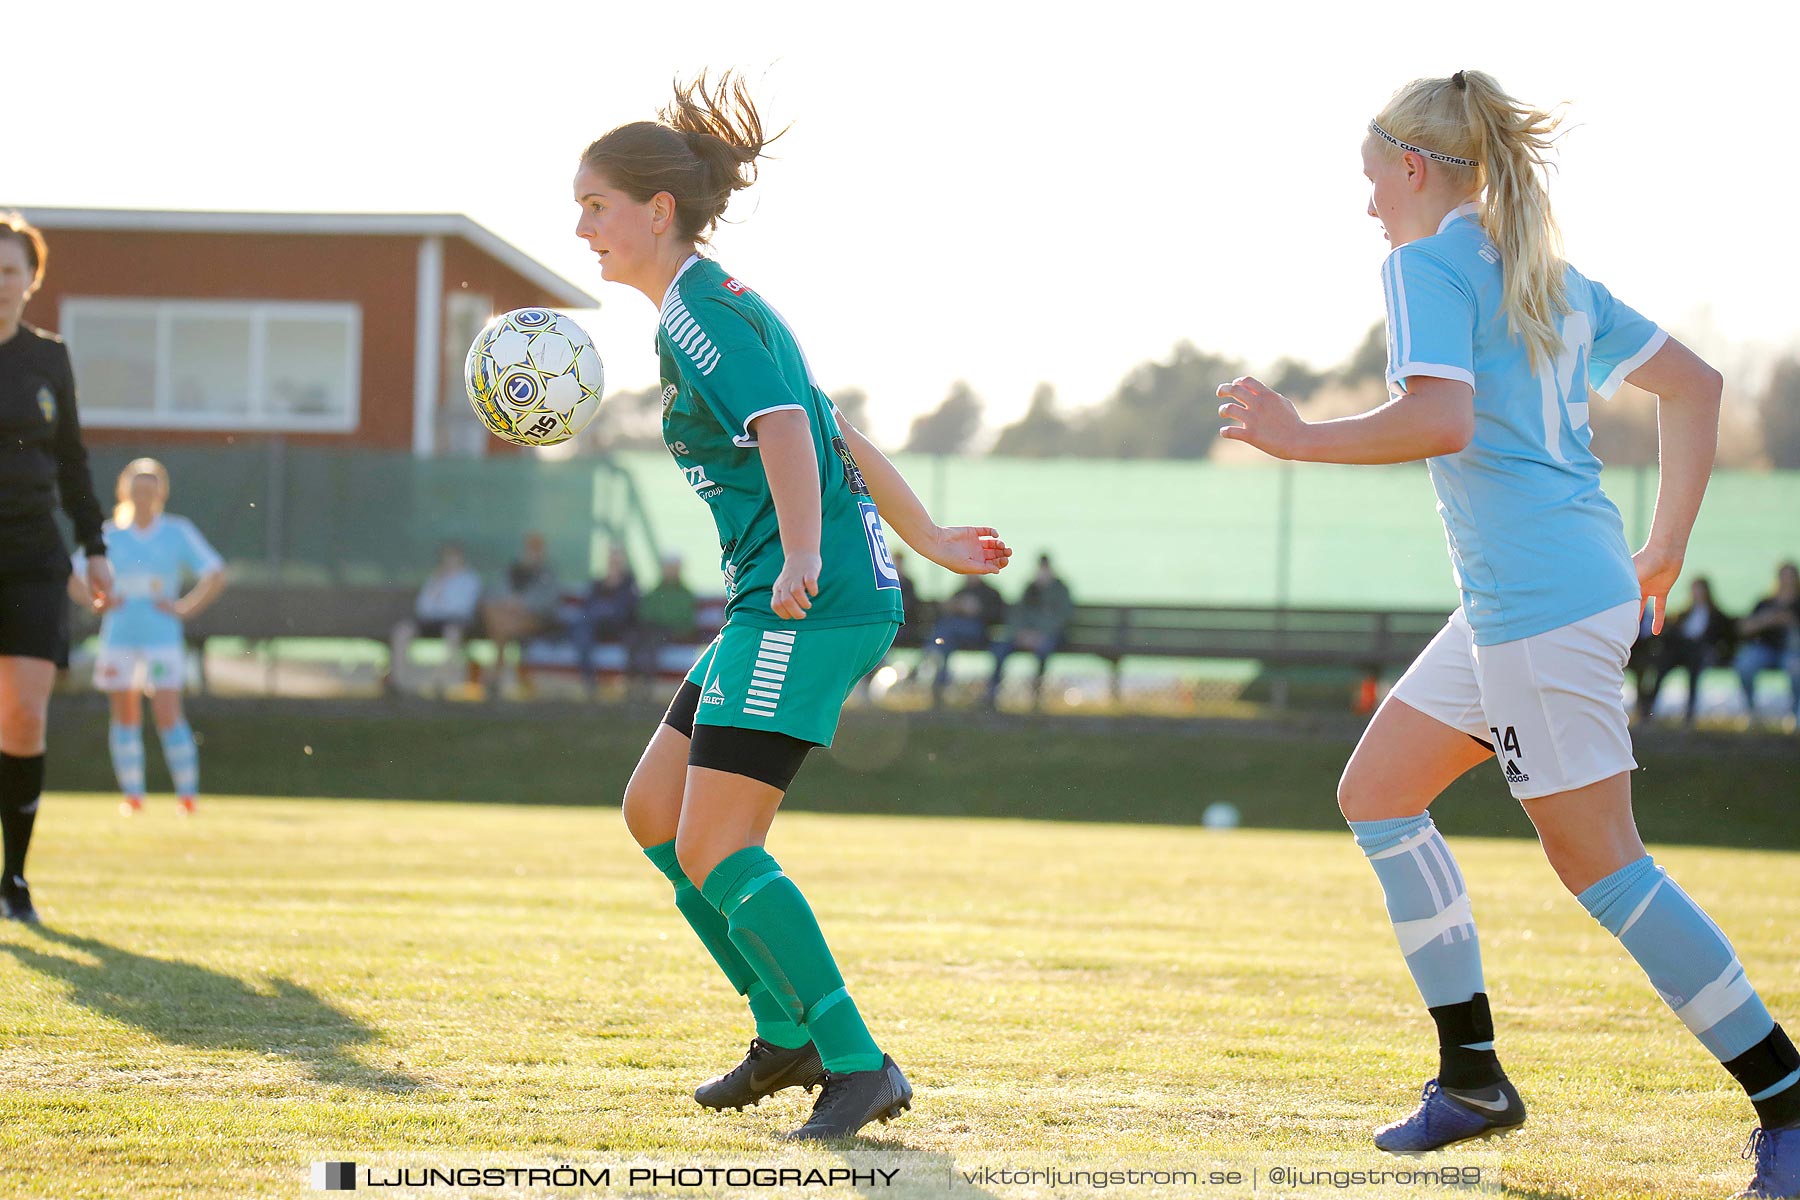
(802, 502)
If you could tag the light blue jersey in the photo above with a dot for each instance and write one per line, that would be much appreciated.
(1534, 543)
(149, 567)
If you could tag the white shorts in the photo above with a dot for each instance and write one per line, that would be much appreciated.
(1551, 706)
(140, 669)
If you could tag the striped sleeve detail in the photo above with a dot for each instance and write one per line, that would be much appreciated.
(1405, 359)
(688, 337)
(1646, 352)
(1395, 292)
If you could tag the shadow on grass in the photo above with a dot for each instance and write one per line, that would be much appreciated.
(189, 1005)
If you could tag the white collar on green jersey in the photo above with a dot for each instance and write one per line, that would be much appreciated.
(1471, 210)
(691, 260)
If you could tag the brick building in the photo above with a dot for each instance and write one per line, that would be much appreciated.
(206, 327)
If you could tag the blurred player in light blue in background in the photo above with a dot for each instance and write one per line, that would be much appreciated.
(142, 650)
(1495, 344)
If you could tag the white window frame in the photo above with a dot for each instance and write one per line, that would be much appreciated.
(164, 311)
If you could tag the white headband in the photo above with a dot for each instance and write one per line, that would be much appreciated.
(1454, 161)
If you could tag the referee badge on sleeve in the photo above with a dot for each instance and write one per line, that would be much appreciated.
(47, 402)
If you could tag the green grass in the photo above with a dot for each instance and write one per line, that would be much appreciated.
(216, 1003)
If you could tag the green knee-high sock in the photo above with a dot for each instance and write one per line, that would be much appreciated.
(772, 1024)
(774, 928)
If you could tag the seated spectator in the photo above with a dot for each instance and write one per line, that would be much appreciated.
(1035, 624)
(526, 605)
(1771, 639)
(667, 614)
(911, 634)
(1692, 640)
(1646, 661)
(445, 608)
(606, 614)
(964, 621)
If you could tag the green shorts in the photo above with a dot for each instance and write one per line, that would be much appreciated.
(792, 680)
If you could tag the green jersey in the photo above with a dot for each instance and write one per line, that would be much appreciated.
(727, 359)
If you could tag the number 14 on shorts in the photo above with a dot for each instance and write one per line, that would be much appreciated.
(1506, 743)
(1506, 749)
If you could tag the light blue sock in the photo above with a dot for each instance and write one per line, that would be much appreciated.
(1429, 906)
(1689, 961)
(126, 745)
(183, 758)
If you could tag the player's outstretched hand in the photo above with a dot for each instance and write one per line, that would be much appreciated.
(1264, 417)
(1657, 571)
(798, 580)
(968, 550)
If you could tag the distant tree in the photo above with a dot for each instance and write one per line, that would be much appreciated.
(854, 404)
(1369, 361)
(1781, 415)
(626, 421)
(949, 428)
(1624, 428)
(1296, 380)
(1040, 433)
(1161, 409)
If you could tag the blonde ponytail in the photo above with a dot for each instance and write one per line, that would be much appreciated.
(1469, 116)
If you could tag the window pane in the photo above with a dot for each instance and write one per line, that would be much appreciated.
(115, 362)
(209, 371)
(458, 432)
(307, 364)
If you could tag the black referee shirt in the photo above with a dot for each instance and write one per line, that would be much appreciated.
(41, 454)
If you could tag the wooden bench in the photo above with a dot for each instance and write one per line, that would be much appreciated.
(261, 613)
(1366, 640)
(1370, 641)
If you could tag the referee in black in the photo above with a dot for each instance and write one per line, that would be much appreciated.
(41, 455)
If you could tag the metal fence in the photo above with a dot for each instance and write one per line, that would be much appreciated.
(1125, 532)
(312, 516)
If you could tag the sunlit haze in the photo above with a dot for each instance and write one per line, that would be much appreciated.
(996, 193)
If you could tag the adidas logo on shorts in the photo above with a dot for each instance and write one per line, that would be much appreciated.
(1514, 775)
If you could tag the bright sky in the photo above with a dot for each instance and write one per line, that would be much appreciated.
(994, 192)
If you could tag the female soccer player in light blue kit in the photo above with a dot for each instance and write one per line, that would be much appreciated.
(1494, 344)
(141, 645)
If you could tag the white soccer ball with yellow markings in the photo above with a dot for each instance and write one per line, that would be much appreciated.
(534, 377)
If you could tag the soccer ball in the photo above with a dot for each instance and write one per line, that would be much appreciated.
(534, 378)
(1220, 815)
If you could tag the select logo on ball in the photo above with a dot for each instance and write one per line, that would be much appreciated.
(521, 389)
(543, 427)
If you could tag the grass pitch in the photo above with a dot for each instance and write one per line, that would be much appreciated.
(214, 1004)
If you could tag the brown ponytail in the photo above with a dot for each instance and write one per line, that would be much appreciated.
(703, 148)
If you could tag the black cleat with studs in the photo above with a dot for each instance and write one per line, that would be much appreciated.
(15, 900)
(849, 1101)
(767, 1069)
